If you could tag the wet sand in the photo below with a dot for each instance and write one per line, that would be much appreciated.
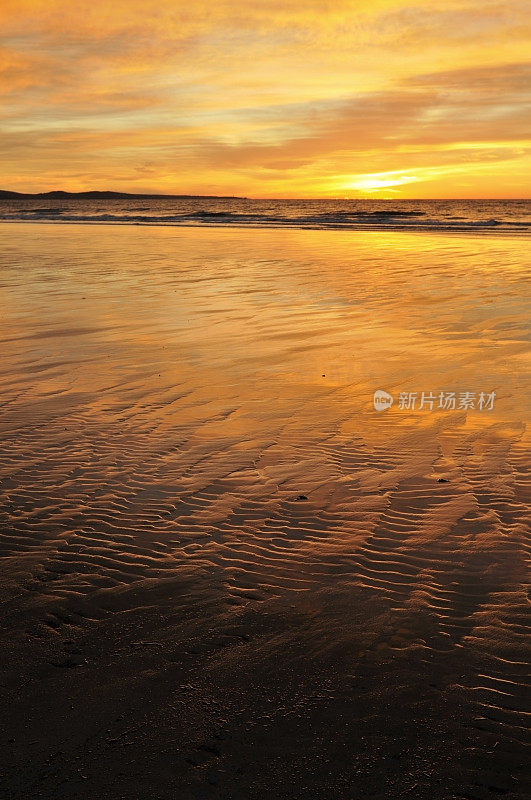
(224, 574)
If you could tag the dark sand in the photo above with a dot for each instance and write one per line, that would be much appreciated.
(224, 575)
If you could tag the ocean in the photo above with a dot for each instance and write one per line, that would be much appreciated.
(448, 215)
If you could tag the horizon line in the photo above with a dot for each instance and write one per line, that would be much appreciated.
(243, 197)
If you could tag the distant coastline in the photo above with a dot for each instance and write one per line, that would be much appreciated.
(95, 195)
(57, 194)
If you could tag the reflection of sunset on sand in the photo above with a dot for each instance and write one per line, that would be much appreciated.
(215, 546)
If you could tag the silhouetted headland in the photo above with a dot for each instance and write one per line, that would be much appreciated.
(57, 193)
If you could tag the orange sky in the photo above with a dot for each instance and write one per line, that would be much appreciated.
(266, 98)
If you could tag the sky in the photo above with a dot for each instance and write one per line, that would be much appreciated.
(270, 98)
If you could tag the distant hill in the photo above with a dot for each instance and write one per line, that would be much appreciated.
(59, 194)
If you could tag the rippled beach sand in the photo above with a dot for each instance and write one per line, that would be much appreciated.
(224, 574)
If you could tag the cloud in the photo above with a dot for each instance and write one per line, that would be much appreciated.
(442, 108)
(252, 94)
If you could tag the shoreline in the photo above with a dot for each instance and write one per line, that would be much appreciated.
(247, 226)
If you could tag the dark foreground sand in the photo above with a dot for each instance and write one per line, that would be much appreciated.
(224, 575)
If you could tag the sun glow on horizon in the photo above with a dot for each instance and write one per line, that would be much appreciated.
(373, 183)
